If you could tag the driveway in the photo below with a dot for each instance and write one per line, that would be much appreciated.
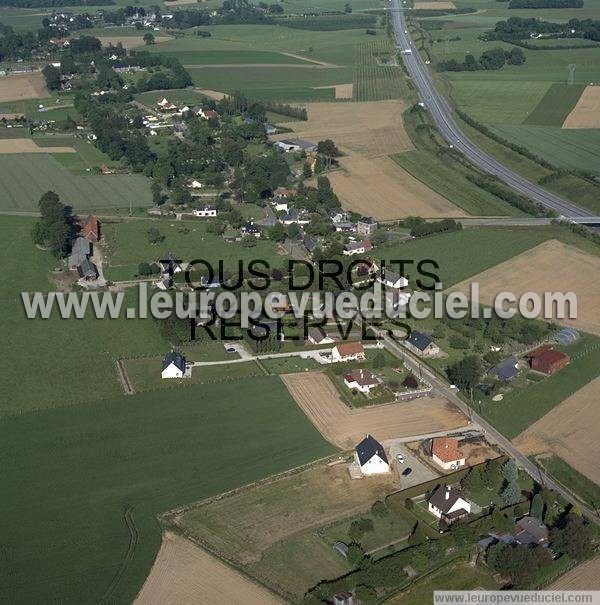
(420, 473)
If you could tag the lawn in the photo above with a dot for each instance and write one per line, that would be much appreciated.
(25, 177)
(188, 240)
(522, 407)
(573, 480)
(289, 365)
(91, 478)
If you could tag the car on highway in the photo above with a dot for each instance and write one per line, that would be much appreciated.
(400, 458)
(407, 471)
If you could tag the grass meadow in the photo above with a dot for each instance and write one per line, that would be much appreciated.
(25, 177)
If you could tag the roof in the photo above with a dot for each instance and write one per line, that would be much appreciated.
(530, 530)
(566, 336)
(174, 358)
(551, 356)
(317, 334)
(506, 369)
(87, 268)
(363, 378)
(349, 348)
(250, 228)
(446, 449)
(306, 145)
(439, 500)
(368, 448)
(91, 227)
(367, 220)
(309, 243)
(81, 246)
(354, 246)
(419, 340)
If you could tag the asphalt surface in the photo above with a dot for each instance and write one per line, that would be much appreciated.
(442, 116)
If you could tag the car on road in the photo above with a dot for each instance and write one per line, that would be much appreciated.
(453, 386)
(400, 458)
(407, 471)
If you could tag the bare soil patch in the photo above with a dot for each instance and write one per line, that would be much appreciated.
(583, 577)
(23, 86)
(549, 267)
(29, 146)
(434, 5)
(130, 41)
(570, 431)
(586, 114)
(183, 573)
(212, 94)
(342, 91)
(370, 182)
(315, 61)
(344, 427)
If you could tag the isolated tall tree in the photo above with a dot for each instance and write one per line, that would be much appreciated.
(466, 372)
(510, 471)
(511, 494)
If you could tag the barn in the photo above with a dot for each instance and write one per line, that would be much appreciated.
(548, 360)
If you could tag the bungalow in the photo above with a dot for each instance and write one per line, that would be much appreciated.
(251, 229)
(362, 380)
(352, 248)
(421, 344)
(80, 250)
(294, 217)
(205, 211)
(370, 457)
(366, 226)
(391, 279)
(193, 184)
(87, 270)
(529, 531)
(91, 229)
(447, 504)
(548, 360)
(506, 370)
(173, 365)
(446, 453)
(348, 351)
(318, 336)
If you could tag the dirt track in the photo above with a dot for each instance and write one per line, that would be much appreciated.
(344, 427)
(23, 86)
(184, 574)
(28, 146)
(584, 577)
(586, 114)
(570, 430)
(434, 5)
(549, 267)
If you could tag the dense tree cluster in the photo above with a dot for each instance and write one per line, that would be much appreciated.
(424, 228)
(494, 58)
(545, 3)
(518, 28)
(56, 228)
(54, 3)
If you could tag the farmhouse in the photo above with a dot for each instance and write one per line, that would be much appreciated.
(447, 504)
(91, 229)
(362, 380)
(173, 365)
(165, 105)
(348, 351)
(421, 344)
(318, 336)
(507, 369)
(205, 211)
(366, 226)
(352, 248)
(370, 457)
(446, 453)
(81, 249)
(548, 360)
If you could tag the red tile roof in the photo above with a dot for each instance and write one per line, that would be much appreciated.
(91, 229)
(446, 449)
(346, 349)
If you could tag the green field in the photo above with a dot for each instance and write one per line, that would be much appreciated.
(79, 475)
(25, 177)
(224, 57)
(555, 106)
(586, 489)
(187, 240)
(87, 155)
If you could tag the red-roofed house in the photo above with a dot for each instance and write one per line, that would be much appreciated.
(446, 453)
(91, 229)
(362, 380)
(207, 114)
(348, 351)
(548, 360)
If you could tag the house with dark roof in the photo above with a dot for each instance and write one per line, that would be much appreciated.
(362, 380)
(366, 226)
(506, 370)
(173, 365)
(251, 229)
(421, 344)
(87, 270)
(392, 279)
(448, 504)
(80, 250)
(370, 457)
(529, 531)
(318, 336)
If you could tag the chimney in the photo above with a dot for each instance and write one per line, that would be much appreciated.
(447, 494)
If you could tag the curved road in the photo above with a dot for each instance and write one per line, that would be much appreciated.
(441, 114)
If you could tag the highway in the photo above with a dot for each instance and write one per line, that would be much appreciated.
(443, 118)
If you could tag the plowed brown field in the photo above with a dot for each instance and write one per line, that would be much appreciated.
(23, 86)
(586, 114)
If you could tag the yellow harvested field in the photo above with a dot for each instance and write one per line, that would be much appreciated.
(184, 573)
(549, 267)
(212, 94)
(28, 146)
(583, 577)
(586, 114)
(345, 427)
(368, 181)
(342, 91)
(129, 41)
(23, 86)
(570, 430)
(434, 5)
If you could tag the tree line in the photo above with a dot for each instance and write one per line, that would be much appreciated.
(494, 58)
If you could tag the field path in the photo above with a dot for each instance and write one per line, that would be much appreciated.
(184, 574)
(286, 65)
(344, 427)
(324, 63)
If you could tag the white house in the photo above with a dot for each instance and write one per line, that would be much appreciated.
(205, 211)
(193, 184)
(348, 351)
(352, 248)
(370, 457)
(362, 380)
(280, 206)
(173, 365)
(447, 504)
(445, 452)
(207, 114)
(391, 279)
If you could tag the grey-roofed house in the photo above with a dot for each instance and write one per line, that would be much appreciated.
(507, 369)
(370, 457)
(296, 145)
(80, 250)
(87, 270)
(530, 531)
(173, 365)
(309, 243)
(318, 336)
(421, 344)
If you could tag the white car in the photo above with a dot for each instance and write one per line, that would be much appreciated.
(454, 387)
(400, 458)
